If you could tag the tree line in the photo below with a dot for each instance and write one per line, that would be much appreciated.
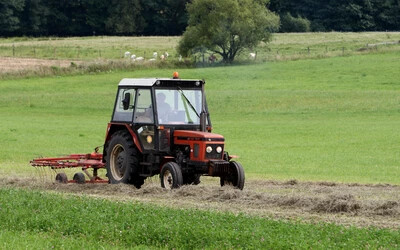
(169, 17)
(92, 17)
(338, 15)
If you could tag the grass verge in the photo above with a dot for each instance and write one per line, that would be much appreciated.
(68, 220)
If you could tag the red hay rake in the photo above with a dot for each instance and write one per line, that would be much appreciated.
(85, 161)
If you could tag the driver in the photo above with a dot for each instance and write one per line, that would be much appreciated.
(163, 108)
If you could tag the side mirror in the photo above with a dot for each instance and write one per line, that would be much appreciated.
(126, 101)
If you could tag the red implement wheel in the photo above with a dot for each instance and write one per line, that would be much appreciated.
(79, 178)
(61, 178)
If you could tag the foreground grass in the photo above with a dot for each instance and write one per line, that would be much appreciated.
(332, 119)
(41, 220)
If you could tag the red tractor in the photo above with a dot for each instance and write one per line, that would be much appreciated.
(162, 126)
(158, 126)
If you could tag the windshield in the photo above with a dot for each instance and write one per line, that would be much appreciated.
(178, 106)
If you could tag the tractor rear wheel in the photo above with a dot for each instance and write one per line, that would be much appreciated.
(121, 160)
(79, 178)
(171, 175)
(235, 177)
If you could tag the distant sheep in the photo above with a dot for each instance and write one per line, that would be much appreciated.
(162, 57)
(133, 57)
(253, 55)
(127, 54)
(139, 58)
(155, 54)
(166, 54)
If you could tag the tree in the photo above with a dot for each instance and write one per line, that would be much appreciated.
(226, 27)
(164, 17)
(125, 17)
(294, 24)
(9, 15)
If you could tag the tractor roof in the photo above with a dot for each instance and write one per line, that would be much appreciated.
(148, 82)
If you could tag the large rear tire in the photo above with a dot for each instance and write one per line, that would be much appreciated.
(171, 176)
(235, 177)
(122, 161)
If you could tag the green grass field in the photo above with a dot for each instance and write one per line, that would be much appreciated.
(332, 119)
(37, 220)
(282, 47)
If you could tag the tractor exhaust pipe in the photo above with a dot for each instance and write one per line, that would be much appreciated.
(203, 114)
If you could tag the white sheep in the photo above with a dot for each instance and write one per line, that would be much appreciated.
(133, 57)
(166, 54)
(162, 57)
(152, 59)
(139, 58)
(253, 55)
(155, 54)
(127, 54)
(180, 58)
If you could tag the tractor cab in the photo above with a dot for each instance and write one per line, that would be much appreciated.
(162, 126)
(157, 107)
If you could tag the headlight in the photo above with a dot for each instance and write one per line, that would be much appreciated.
(149, 139)
(209, 149)
(219, 149)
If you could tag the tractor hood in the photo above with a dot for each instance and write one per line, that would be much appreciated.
(197, 136)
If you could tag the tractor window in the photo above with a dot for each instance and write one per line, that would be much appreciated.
(124, 105)
(144, 109)
(175, 106)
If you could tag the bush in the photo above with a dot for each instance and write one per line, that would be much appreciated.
(294, 24)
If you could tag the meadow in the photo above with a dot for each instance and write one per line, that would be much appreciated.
(332, 118)
(289, 46)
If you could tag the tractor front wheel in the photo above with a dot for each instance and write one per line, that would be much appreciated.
(235, 177)
(171, 176)
(121, 159)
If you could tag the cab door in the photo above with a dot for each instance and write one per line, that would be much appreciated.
(143, 118)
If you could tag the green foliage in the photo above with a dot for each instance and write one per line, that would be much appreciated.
(125, 17)
(294, 24)
(353, 15)
(227, 27)
(62, 222)
(9, 11)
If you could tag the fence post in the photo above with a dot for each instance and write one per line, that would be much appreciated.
(308, 49)
(13, 50)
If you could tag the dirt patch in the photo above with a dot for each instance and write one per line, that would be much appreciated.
(346, 204)
(13, 64)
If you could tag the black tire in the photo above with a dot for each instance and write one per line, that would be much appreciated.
(171, 175)
(137, 181)
(193, 179)
(61, 178)
(235, 177)
(79, 178)
(121, 159)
